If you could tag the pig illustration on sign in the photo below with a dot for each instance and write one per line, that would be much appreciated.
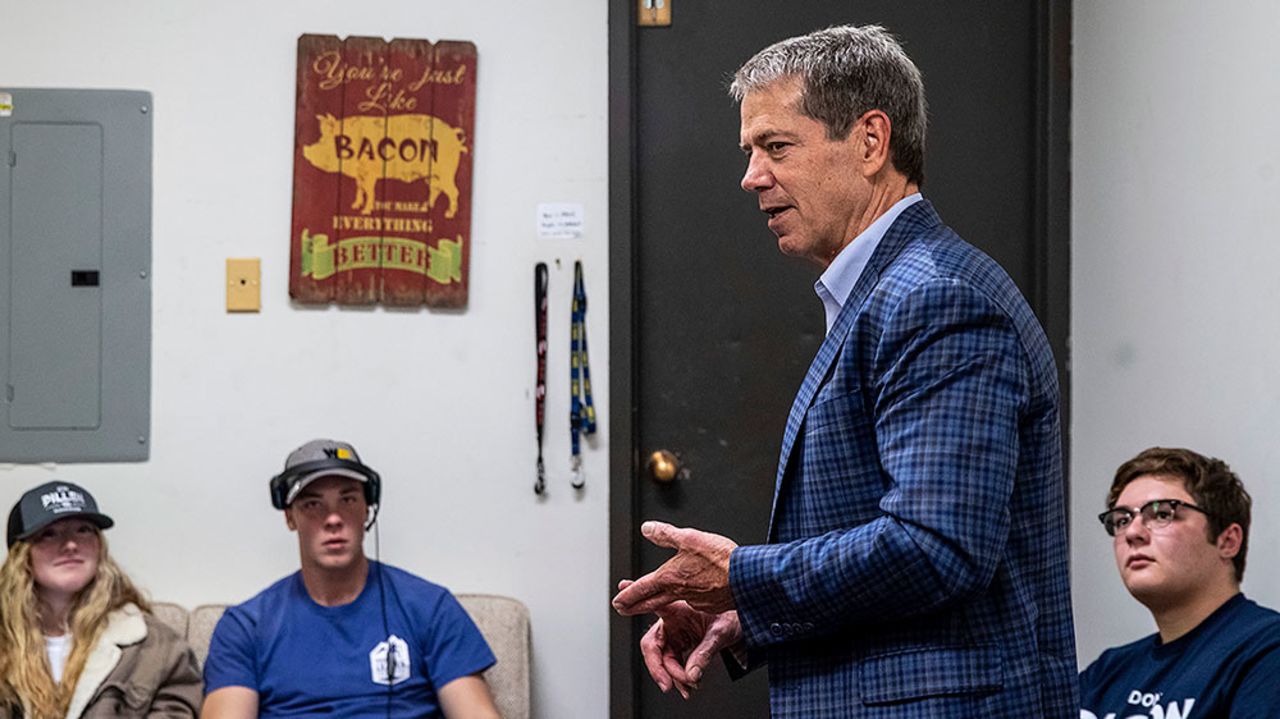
(407, 148)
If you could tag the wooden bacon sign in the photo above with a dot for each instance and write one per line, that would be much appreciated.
(383, 141)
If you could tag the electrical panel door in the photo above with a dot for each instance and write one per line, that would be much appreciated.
(75, 290)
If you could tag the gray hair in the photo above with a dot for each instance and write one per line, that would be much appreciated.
(848, 71)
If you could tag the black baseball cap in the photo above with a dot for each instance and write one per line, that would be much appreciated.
(49, 503)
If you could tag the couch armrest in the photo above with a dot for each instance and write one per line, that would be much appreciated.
(504, 622)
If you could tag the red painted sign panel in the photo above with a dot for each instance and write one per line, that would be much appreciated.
(383, 141)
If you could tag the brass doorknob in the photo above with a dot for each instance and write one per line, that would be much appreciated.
(664, 465)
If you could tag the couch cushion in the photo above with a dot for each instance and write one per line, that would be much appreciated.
(173, 615)
(200, 624)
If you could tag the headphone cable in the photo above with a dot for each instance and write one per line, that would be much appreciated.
(382, 599)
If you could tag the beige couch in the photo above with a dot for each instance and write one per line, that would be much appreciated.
(503, 621)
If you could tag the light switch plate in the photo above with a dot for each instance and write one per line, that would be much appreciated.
(654, 13)
(244, 284)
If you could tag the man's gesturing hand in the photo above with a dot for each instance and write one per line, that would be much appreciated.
(698, 574)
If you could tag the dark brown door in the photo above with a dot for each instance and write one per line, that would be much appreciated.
(713, 329)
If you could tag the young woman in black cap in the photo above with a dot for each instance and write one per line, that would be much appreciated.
(77, 639)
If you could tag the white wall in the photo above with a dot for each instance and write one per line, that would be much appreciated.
(1175, 301)
(440, 403)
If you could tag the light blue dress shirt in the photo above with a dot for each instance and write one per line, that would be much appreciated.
(834, 286)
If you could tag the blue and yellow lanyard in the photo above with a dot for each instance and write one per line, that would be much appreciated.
(582, 412)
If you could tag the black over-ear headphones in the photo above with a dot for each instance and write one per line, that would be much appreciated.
(281, 483)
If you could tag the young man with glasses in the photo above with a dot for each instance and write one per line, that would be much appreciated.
(1180, 528)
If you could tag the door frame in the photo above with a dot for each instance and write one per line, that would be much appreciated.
(1050, 295)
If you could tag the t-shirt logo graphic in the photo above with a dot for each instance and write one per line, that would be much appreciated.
(398, 651)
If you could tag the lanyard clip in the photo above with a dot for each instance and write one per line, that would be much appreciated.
(579, 477)
(540, 485)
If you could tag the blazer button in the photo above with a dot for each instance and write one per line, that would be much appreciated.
(776, 629)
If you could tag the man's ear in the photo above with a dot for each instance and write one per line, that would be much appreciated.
(288, 519)
(1229, 541)
(871, 132)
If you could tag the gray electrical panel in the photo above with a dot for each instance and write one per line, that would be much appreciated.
(75, 275)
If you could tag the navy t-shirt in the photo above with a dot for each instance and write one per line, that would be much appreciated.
(1228, 666)
(304, 659)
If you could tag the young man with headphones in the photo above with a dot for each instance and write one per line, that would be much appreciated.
(344, 636)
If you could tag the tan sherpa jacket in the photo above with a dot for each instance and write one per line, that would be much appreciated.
(139, 668)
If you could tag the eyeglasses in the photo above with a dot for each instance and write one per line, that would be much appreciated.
(1156, 514)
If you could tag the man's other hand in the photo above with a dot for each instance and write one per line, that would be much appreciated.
(680, 645)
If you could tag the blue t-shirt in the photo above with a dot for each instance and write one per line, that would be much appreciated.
(304, 659)
(1228, 666)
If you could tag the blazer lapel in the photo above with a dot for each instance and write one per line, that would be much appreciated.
(915, 218)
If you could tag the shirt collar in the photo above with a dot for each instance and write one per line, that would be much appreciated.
(835, 284)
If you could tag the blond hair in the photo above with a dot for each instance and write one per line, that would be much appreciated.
(26, 679)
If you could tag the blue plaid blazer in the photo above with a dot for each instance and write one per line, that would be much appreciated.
(917, 555)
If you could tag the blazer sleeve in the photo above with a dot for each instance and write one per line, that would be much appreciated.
(948, 383)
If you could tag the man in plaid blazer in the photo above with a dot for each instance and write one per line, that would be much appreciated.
(917, 555)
